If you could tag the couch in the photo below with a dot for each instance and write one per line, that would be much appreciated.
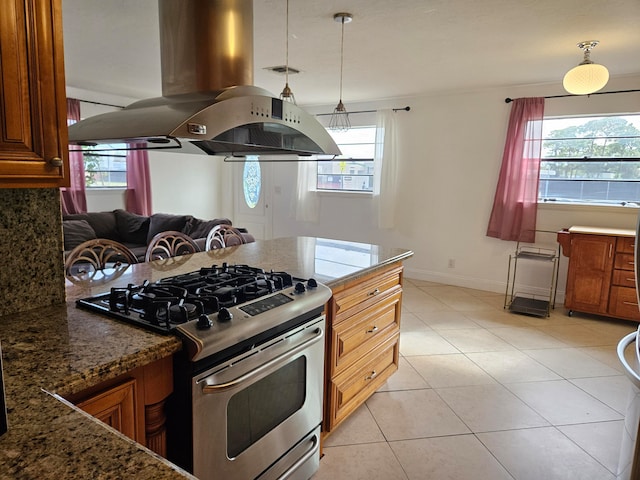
(136, 231)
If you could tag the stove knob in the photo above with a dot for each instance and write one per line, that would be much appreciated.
(300, 288)
(204, 323)
(311, 283)
(224, 315)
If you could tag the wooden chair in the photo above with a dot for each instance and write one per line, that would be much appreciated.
(98, 255)
(170, 244)
(222, 236)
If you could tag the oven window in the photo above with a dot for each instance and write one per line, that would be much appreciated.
(262, 406)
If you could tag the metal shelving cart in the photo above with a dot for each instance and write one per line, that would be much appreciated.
(526, 302)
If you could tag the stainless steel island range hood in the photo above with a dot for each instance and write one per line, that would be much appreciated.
(209, 104)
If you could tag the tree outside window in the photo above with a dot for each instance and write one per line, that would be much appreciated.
(591, 160)
(106, 168)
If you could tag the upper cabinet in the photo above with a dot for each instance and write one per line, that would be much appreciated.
(33, 125)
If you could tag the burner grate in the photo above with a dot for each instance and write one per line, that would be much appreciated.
(162, 305)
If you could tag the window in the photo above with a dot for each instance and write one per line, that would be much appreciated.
(105, 169)
(353, 171)
(591, 160)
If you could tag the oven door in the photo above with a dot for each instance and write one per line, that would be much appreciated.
(258, 416)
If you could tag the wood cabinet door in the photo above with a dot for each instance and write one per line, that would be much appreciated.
(33, 125)
(115, 407)
(589, 275)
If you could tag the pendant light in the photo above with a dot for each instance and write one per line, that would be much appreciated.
(588, 77)
(340, 117)
(286, 94)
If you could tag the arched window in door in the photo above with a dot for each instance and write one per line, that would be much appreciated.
(251, 181)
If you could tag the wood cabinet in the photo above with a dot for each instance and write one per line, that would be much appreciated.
(33, 125)
(600, 277)
(362, 341)
(133, 403)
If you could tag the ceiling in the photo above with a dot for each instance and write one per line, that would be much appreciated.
(391, 49)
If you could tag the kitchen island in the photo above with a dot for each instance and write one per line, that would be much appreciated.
(58, 351)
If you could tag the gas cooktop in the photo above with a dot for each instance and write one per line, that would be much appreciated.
(197, 296)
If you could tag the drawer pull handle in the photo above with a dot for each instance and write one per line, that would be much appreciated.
(373, 375)
(630, 263)
(630, 279)
(55, 162)
(374, 329)
(374, 293)
(630, 303)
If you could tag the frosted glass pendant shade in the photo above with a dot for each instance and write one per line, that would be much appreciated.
(588, 77)
(585, 79)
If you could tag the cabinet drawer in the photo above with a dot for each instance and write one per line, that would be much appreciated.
(625, 244)
(624, 303)
(365, 293)
(624, 278)
(352, 387)
(624, 261)
(359, 334)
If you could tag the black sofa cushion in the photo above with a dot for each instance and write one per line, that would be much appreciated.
(163, 222)
(197, 228)
(132, 228)
(76, 232)
(103, 223)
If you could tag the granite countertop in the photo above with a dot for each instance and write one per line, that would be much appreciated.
(52, 352)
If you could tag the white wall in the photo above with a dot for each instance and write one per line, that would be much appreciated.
(186, 184)
(451, 151)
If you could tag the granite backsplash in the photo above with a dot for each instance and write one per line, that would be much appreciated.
(31, 252)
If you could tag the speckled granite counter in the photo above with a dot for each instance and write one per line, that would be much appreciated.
(64, 350)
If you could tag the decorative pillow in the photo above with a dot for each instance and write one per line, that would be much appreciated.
(200, 228)
(132, 228)
(76, 232)
(104, 223)
(163, 222)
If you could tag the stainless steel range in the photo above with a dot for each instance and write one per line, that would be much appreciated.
(247, 399)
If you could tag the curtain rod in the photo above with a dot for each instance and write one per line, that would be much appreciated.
(99, 103)
(509, 100)
(406, 109)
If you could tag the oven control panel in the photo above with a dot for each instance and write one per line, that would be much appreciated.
(265, 304)
(249, 320)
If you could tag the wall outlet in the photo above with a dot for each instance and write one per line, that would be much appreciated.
(452, 263)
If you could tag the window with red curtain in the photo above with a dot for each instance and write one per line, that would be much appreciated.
(73, 197)
(515, 205)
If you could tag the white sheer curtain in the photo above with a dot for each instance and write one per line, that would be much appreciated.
(306, 205)
(385, 168)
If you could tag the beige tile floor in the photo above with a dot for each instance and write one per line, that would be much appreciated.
(482, 393)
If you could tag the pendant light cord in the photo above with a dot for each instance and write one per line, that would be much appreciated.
(341, 57)
(286, 60)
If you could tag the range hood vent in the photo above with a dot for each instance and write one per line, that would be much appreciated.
(209, 105)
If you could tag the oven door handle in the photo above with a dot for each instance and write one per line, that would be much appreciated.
(217, 388)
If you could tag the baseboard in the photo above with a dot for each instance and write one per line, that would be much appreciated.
(476, 283)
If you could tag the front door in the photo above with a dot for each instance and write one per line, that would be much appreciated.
(252, 202)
